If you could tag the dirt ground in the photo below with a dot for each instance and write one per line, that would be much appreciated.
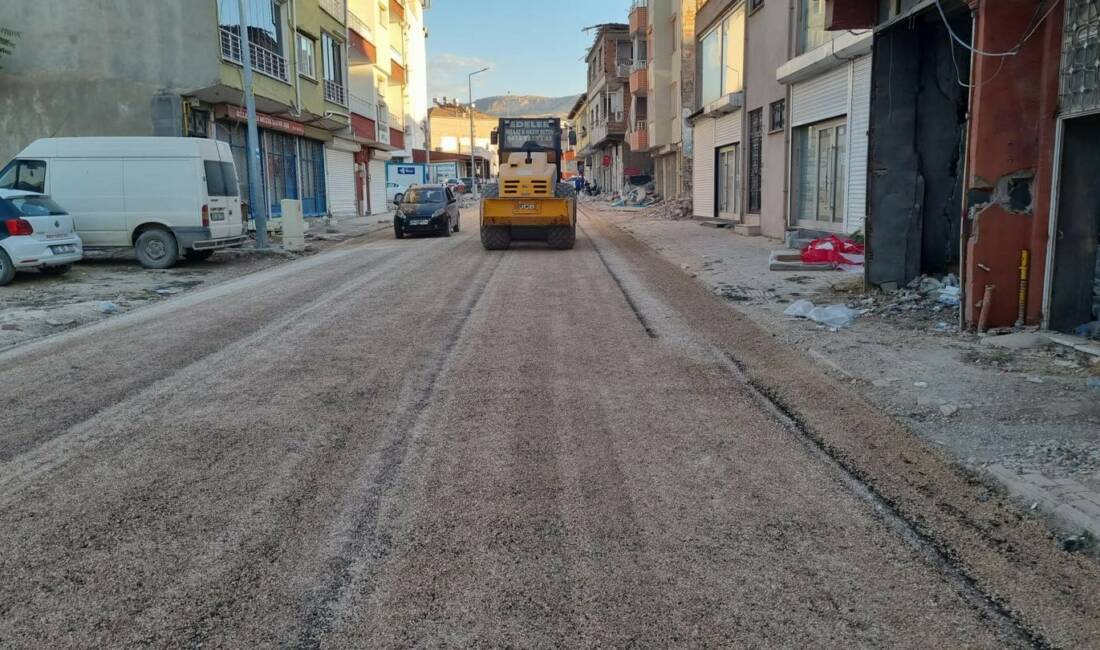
(108, 283)
(1028, 410)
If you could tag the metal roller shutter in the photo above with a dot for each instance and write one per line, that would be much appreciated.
(703, 169)
(340, 168)
(727, 129)
(820, 98)
(858, 125)
(376, 187)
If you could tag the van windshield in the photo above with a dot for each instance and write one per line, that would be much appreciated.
(221, 178)
(26, 175)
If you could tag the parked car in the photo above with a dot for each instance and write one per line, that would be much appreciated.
(470, 183)
(427, 209)
(164, 197)
(35, 233)
(394, 192)
(456, 185)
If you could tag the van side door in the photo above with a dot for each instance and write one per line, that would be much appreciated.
(92, 191)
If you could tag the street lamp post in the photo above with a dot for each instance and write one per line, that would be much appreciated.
(473, 160)
(255, 184)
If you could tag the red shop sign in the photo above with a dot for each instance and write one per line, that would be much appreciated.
(607, 161)
(265, 121)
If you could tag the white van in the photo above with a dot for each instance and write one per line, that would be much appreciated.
(165, 197)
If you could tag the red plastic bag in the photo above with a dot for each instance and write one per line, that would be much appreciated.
(833, 250)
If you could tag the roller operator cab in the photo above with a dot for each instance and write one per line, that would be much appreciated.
(529, 202)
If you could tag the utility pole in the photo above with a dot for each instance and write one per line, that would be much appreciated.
(255, 184)
(473, 159)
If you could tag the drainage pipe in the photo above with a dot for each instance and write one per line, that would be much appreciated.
(987, 305)
(1021, 312)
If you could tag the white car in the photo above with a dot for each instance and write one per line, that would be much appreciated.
(394, 192)
(35, 233)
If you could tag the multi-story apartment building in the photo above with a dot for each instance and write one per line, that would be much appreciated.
(829, 76)
(188, 81)
(608, 157)
(450, 134)
(388, 99)
(667, 79)
(717, 125)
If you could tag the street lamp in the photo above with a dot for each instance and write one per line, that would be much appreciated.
(473, 160)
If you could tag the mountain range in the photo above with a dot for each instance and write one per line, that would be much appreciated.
(526, 105)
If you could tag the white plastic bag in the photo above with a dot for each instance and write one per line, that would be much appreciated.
(833, 316)
(799, 309)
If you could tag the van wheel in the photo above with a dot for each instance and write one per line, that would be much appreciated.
(60, 269)
(193, 255)
(156, 249)
(7, 269)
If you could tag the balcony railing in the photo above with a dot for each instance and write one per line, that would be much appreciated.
(336, 93)
(383, 124)
(264, 61)
(360, 26)
(396, 121)
(639, 65)
(335, 8)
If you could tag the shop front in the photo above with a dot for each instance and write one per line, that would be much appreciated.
(293, 163)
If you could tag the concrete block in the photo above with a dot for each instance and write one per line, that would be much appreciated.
(746, 230)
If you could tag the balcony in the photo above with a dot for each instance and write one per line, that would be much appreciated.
(383, 125)
(336, 93)
(397, 12)
(639, 79)
(638, 139)
(639, 16)
(611, 129)
(622, 69)
(397, 73)
(335, 8)
(264, 61)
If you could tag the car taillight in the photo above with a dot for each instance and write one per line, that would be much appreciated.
(205, 217)
(19, 227)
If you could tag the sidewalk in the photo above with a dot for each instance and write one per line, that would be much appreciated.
(1022, 418)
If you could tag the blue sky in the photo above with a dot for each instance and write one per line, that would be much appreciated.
(535, 47)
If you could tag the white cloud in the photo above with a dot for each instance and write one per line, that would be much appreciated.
(447, 74)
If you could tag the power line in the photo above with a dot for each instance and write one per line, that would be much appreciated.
(1015, 49)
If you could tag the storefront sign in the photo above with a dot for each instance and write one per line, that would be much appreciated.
(262, 120)
(607, 161)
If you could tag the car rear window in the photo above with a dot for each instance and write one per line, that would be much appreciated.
(221, 178)
(29, 206)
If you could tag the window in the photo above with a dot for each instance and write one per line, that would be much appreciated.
(722, 55)
(264, 20)
(729, 182)
(221, 178)
(281, 168)
(307, 58)
(334, 59)
(822, 179)
(756, 155)
(26, 175)
(811, 26)
(313, 178)
(778, 116)
(755, 4)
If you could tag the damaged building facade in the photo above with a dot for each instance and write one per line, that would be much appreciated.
(984, 137)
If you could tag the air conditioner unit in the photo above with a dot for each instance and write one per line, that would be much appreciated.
(408, 129)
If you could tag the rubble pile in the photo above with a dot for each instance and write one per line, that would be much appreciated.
(1056, 458)
(926, 303)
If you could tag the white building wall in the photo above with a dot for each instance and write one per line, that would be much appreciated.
(417, 72)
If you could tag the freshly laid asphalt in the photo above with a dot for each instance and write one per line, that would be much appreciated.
(421, 443)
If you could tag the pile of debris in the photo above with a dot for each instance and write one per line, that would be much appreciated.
(925, 303)
(639, 196)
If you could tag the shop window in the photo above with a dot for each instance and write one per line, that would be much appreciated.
(313, 178)
(729, 182)
(822, 157)
(280, 169)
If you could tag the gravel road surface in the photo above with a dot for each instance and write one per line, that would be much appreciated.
(420, 443)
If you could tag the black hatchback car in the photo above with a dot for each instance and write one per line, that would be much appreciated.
(426, 209)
